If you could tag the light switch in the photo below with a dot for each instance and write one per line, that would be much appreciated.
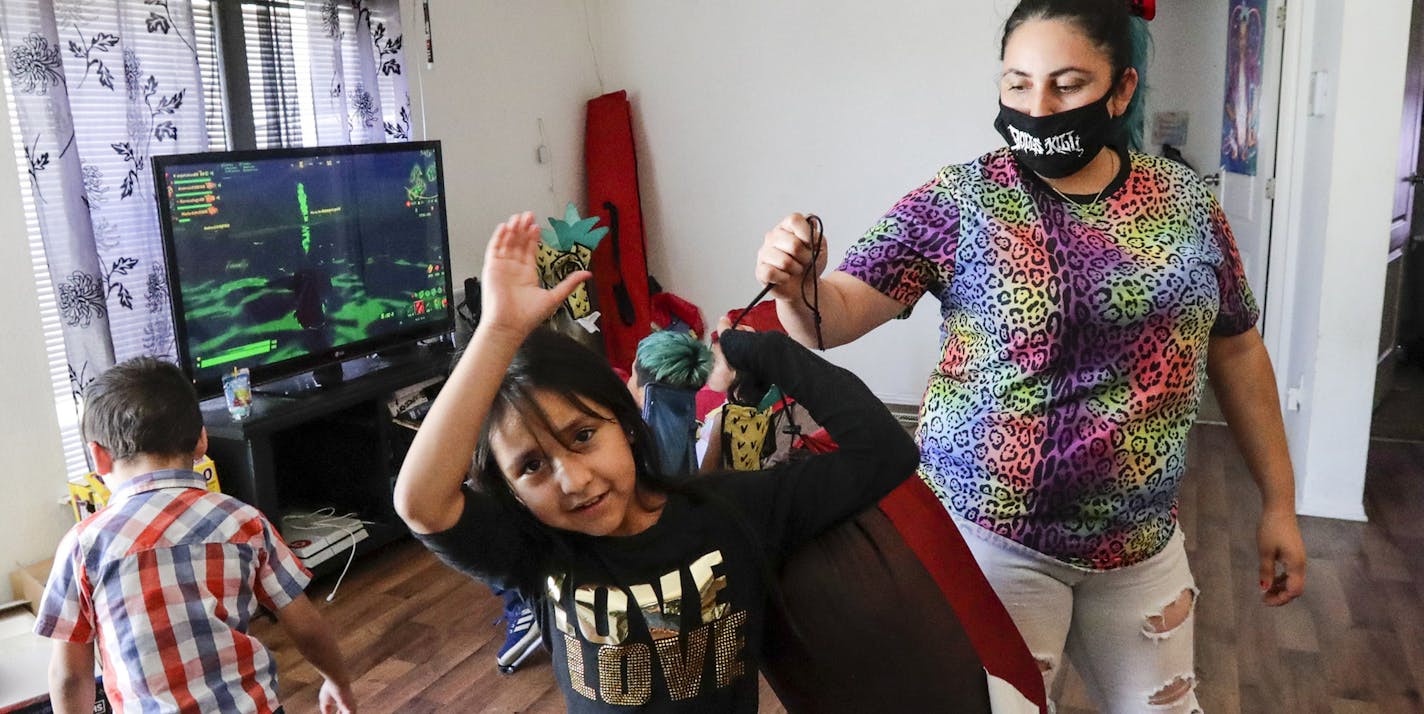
(1319, 92)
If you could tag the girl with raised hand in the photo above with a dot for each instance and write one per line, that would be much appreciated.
(651, 591)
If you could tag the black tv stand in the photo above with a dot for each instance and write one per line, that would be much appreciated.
(310, 383)
(335, 446)
(328, 375)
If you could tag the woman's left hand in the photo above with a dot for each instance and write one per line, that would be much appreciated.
(1282, 554)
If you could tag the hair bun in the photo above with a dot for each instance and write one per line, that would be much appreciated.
(1145, 9)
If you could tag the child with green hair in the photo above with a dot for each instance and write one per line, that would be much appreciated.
(668, 369)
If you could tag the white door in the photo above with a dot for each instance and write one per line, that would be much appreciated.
(1408, 175)
(1247, 199)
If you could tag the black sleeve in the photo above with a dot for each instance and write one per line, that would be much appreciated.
(799, 499)
(484, 544)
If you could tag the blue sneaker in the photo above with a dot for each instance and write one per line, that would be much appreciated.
(521, 637)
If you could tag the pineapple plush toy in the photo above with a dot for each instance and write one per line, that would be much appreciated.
(568, 247)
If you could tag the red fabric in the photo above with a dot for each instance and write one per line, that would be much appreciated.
(611, 165)
(817, 442)
(932, 535)
(668, 307)
(1145, 9)
(707, 400)
(761, 317)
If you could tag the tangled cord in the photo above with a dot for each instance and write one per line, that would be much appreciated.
(809, 275)
(320, 520)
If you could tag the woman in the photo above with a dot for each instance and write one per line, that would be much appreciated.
(651, 592)
(1086, 292)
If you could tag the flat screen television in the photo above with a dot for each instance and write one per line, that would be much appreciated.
(289, 260)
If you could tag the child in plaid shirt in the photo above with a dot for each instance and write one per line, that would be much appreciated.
(168, 576)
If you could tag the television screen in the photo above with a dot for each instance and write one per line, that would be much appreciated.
(285, 260)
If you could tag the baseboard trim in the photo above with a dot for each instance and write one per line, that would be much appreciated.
(907, 414)
(1338, 511)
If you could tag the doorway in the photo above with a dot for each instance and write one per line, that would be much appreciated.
(1399, 381)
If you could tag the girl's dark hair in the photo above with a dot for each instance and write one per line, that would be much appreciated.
(1110, 25)
(552, 362)
(555, 363)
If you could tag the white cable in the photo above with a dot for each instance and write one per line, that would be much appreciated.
(342, 576)
(592, 51)
(322, 519)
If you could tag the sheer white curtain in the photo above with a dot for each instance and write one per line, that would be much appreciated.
(98, 88)
(358, 74)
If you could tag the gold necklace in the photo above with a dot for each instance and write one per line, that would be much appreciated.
(1099, 196)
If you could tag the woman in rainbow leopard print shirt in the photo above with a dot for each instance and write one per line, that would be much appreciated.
(1086, 291)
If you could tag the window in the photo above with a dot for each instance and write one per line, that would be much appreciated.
(257, 65)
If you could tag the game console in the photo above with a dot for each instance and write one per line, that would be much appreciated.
(316, 537)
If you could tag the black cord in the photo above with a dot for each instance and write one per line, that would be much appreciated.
(791, 427)
(808, 275)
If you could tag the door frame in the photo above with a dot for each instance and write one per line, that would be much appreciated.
(1284, 241)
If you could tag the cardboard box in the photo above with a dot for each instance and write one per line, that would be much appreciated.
(88, 493)
(24, 666)
(28, 582)
(24, 662)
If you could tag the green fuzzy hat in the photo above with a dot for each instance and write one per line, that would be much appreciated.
(676, 359)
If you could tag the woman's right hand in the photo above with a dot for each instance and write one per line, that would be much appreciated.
(785, 255)
(511, 298)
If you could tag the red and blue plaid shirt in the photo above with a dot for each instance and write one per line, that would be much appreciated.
(167, 577)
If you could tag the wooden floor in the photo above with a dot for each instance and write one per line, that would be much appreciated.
(422, 639)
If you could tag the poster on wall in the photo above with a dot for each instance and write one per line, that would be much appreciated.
(1244, 67)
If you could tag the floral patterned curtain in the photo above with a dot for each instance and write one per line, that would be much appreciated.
(358, 75)
(99, 87)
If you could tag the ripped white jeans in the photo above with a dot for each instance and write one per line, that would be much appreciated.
(1127, 631)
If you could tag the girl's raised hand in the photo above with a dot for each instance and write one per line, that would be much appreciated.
(511, 297)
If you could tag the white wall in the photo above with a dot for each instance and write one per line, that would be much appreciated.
(841, 107)
(837, 108)
(500, 67)
(33, 471)
(1340, 225)
(1188, 73)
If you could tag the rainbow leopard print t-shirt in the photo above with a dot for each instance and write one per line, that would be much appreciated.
(1074, 343)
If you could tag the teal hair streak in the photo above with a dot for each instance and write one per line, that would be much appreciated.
(676, 359)
(1134, 120)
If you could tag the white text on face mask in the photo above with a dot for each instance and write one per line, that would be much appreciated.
(1066, 144)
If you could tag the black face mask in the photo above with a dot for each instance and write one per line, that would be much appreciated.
(1059, 144)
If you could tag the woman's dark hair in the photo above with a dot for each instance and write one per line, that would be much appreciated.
(1110, 25)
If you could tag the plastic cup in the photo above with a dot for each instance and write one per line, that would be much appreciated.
(237, 392)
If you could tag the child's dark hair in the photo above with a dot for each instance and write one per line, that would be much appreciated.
(556, 363)
(1114, 29)
(142, 406)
